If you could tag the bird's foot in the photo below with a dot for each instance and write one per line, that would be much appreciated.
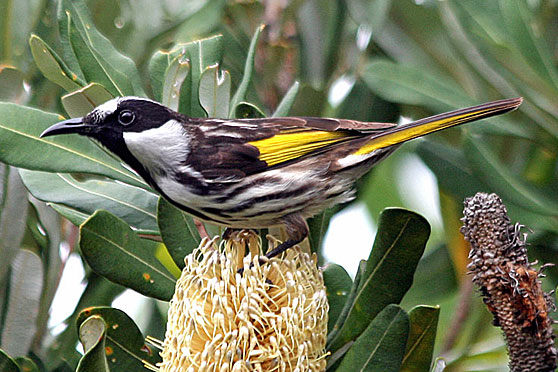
(273, 253)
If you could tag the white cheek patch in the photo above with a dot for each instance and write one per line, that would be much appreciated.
(159, 149)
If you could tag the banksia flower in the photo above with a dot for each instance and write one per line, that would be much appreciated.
(272, 317)
(509, 284)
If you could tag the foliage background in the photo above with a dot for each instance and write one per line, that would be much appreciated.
(394, 58)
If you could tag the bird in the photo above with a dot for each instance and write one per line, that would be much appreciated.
(253, 173)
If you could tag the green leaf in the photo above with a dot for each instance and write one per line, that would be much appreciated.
(450, 165)
(125, 346)
(63, 367)
(132, 262)
(99, 60)
(509, 186)
(320, 26)
(94, 68)
(519, 21)
(381, 346)
(430, 49)
(157, 66)
(489, 48)
(310, 102)
(338, 286)
(245, 110)
(200, 54)
(72, 215)
(178, 231)
(12, 84)
(82, 101)
(482, 21)
(240, 94)
(401, 238)
(162, 254)
(287, 102)
(18, 20)
(413, 86)
(51, 66)
(215, 230)
(13, 216)
(26, 364)
(215, 91)
(157, 321)
(318, 226)
(20, 322)
(6, 7)
(176, 74)
(435, 278)
(7, 364)
(92, 334)
(362, 104)
(33, 223)
(422, 335)
(373, 13)
(437, 92)
(134, 205)
(203, 21)
(332, 333)
(64, 20)
(50, 223)
(389, 271)
(98, 292)
(20, 128)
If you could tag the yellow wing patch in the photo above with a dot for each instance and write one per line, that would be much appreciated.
(287, 146)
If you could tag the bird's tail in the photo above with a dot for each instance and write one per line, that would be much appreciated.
(435, 123)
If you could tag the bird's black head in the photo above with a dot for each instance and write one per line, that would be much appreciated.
(108, 123)
(110, 120)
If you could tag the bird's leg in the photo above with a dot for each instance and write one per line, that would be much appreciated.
(289, 243)
(201, 228)
(229, 231)
(297, 230)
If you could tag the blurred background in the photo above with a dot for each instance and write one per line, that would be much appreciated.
(370, 60)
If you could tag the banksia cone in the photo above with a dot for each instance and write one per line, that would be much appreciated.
(270, 317)
(509, 283)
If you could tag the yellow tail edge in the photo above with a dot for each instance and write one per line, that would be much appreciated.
(438, 122)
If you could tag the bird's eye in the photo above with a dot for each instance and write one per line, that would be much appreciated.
(126, 117)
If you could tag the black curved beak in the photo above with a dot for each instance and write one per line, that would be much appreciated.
(75, 125)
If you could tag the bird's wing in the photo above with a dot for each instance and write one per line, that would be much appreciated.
(239, 147)
(232, 149)
(325, 124)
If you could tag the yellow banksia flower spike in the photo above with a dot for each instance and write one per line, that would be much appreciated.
(272, 317)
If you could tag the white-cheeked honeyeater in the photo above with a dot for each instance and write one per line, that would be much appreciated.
(253, 173)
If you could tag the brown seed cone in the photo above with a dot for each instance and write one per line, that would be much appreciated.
(509, 283)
